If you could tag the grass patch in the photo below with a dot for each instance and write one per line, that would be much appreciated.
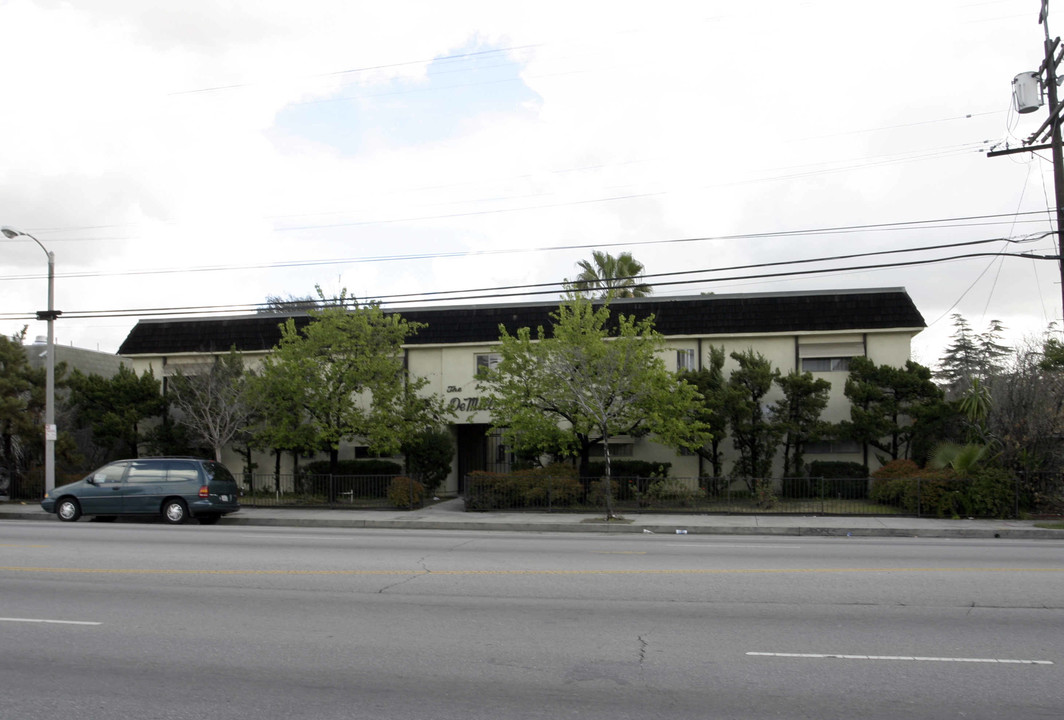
(1050, 525)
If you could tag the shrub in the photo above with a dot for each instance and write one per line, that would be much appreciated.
(428, 457)
(630, 469)
(486, 491)
(403, 492)
(670, 491)
(764, 493)
(991, 493)
(554, 485)
(630, 478)
(549, 486)
(896, 469)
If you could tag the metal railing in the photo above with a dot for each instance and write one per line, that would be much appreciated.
(536, 491)
(351, 491)
(919, 497)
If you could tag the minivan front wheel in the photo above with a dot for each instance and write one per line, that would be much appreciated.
(68, 510)
(175, 511)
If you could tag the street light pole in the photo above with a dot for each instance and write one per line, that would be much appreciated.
(50, 315)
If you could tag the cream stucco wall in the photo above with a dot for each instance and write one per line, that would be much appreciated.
(450, 371)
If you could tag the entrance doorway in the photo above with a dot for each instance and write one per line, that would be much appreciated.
(480, 448)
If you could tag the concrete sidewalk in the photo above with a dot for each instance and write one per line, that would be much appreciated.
(450, 515)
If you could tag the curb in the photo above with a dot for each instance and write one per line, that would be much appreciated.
(615, 528)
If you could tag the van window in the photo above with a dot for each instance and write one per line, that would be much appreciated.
(111, 473)
(217, 471)
(181, 471)
(146, 471)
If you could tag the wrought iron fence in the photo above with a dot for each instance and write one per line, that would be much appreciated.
(800, 496)
(303, 490)
(1041, 494)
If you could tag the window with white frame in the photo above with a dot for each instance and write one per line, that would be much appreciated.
(825, 357)
(685, 359)
(486, 361)
(826, 364)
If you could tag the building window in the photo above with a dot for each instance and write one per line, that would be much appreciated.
(617, 450)
(487, 361)
(833, 447)
(826, 364)
(685, 359)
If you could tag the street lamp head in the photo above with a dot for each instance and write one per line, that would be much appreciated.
(10, 232)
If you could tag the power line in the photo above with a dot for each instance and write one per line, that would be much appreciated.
(940, 223)
(554, 288)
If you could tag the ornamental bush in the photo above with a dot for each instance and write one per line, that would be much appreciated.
(988, 492)
(404, 492)
(630, 478)
(670, 491)
(552, 486)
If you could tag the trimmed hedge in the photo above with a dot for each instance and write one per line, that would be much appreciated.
(989, 492)
(556, 485)
(404, 493)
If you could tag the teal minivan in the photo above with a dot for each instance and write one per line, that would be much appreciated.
(175, 488)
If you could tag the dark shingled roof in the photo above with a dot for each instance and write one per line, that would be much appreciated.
(841, 310)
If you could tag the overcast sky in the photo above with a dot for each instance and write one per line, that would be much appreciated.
(207, 154)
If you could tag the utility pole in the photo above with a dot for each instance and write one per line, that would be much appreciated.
(1050, 129)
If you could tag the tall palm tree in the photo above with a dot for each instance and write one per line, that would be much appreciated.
(611, 277)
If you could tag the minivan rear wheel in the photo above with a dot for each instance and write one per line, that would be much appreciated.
(68, 510)
(175, 511)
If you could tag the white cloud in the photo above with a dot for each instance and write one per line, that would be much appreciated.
(144, 137)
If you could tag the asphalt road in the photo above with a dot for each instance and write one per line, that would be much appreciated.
(152, 621)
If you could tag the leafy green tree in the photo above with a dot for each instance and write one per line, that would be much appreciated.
(116, 409)
(592, 378)
(1027, 416)
(971, 356)
(214, 404)
(610, 277)
(754, 435)
(798, 416)
(429, 454)
(887, 403)
(342, 377)
(290, 305)
(960, 360)
(712, 409)
(21, 407)
(279, 427)
(1052, 355)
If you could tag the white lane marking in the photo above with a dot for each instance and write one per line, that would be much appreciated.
(729, 545)
(297, 537)
(51, 622)
(917, 658)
